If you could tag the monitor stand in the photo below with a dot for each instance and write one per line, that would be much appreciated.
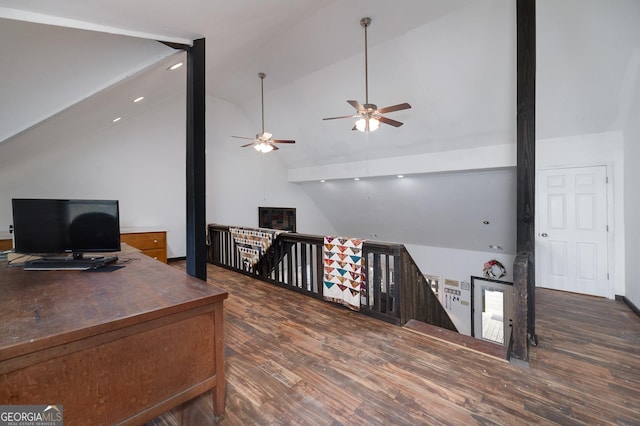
(85, 256)
(69, 263)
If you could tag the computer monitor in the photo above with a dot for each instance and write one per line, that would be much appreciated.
(51, 226)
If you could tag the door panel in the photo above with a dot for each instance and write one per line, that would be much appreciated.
(557, 211)
(572, 230)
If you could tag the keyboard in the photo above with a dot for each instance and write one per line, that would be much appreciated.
(69, 264)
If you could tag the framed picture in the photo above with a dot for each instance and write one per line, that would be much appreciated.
(281, 218)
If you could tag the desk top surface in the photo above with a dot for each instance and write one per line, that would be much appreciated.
(42, 309)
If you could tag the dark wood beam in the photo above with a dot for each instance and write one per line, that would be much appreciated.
(196, 178)
(177, 46)
(524, 267)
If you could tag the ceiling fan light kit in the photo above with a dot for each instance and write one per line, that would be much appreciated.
(263, 147)
(367, 124)
(368, 116)
(263, 142)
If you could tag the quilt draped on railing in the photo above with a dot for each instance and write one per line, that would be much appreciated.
(344, 268)
(252, 243)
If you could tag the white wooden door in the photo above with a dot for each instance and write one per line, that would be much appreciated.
(572, 230)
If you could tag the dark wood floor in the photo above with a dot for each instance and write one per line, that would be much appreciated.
(292, 360)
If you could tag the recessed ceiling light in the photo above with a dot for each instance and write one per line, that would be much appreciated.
(175, 66)
(138, 99)
(356, 178)
(486, 222)
(115, 120)
(400, 176)
(323, 181)
(495, 247)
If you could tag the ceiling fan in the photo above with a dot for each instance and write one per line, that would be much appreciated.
(368, 115)
(263, 142)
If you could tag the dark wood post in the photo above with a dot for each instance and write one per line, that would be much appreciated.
(196, 195)
(523, 271)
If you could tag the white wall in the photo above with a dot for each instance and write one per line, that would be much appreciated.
(458, 265)
(605, 149)
(459, 160)
(632, 207)
(239, 180)
(139, 161)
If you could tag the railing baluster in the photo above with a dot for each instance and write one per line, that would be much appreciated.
(319, 270)
(377, 284)
(388, 286)
(303, 263)
(293, 270)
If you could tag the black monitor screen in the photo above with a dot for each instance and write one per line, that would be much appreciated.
(65, 226)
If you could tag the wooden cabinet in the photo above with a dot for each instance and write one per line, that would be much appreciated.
(6, 244)
(151, 243)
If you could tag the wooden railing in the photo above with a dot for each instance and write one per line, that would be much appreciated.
(395, 291)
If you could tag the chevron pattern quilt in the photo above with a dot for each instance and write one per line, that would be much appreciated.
(344, 266)
(252, 244)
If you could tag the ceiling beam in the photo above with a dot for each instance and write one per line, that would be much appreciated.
(41, 18)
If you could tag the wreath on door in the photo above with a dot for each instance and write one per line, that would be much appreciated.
(494, 270)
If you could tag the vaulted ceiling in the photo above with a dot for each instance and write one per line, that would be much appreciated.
(453, 60)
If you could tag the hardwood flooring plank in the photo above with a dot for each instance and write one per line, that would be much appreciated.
(295, 360)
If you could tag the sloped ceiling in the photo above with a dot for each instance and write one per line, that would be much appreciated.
(46, 69)
(452, 60)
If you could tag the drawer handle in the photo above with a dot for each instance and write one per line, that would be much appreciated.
(155, 241)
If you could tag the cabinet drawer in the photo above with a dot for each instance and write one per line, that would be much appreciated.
(158, 254)
(6, 245)
(145, 240)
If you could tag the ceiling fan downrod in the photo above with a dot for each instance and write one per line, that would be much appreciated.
(263, 142)
(262, 76)
(365, 22)
(368, 115)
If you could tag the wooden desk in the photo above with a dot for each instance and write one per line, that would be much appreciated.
(111, 347)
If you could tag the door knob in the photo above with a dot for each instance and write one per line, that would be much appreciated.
(544, 234)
